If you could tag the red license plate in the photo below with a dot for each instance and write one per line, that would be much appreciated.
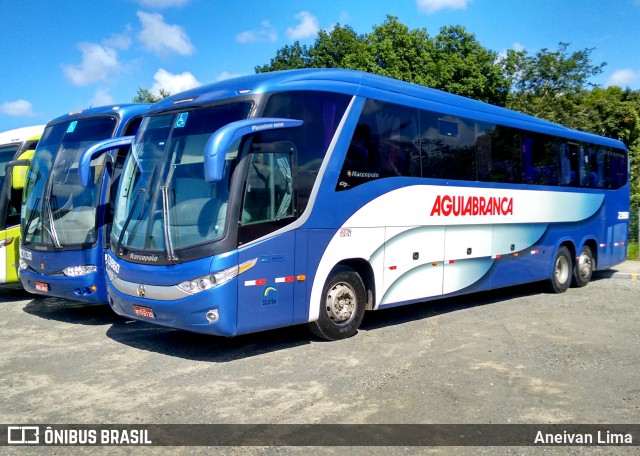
(41, 286)
(146, 312)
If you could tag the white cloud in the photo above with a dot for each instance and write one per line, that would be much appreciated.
(227, 75)
(307, 27)
(99, 62)
(518, 47)
(266, 34)
(101, 97)
(623, 78)
(173, 83)
(162, 38)
(119, 40)
(160, 4)
(433, 6)
(18, 108)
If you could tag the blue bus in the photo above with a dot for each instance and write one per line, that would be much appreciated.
(66, 225)
(311, 196)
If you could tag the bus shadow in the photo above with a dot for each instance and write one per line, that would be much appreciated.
(73, 312)
(403, 314)
(202, 347)
(13, 293)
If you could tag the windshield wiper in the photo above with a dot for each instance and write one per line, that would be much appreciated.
(52, 225)
(133, 208)
(128, 219)
(165, 219)
(47, 206)
(32, 216)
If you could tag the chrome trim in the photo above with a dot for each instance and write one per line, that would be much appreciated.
(151, 292)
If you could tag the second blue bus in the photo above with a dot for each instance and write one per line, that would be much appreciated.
(66, 225)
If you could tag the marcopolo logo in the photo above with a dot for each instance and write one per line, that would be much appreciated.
(138, 257)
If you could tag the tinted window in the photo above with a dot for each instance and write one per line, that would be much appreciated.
(448, 147)
(321, 113)
(385, 144)
(539, 165)
(388, 137)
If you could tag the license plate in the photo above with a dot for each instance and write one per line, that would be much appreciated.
(41, 286)
(146, 312)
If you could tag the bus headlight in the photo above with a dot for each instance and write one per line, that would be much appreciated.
(22, 264)
(215, 279)
(77, 271)
(208, 281)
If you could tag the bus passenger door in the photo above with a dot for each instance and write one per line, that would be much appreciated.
(266, 290)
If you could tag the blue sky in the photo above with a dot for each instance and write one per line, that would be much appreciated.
(64, 55)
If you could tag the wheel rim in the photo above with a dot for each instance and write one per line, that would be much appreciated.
(584, 265)
(562, 269)
(341, 303)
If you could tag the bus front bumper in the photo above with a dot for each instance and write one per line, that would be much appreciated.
(208, 312)
(89, 288)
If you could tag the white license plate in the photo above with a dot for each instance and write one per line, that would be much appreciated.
(41, 286)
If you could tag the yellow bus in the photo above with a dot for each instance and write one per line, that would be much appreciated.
(16, 150)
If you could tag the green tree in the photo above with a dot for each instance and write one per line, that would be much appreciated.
(288, 58)
(340, 48)
(145, 96)
(465, 67)
(453, 61)
(550, 84)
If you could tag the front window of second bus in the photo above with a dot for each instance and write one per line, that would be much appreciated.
(7, 153)
(164, 202)
(57, 210)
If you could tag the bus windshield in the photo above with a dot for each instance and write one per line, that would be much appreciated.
(57, 210)
(163, 197)
(7, 153)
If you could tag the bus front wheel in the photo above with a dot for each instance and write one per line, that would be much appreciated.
(562, 271)
(342, 306)
(583, 269)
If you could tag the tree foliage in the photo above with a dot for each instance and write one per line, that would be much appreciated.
(453, 60)
(145, 96)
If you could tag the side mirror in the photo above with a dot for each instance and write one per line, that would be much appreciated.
(99, 148)
(18, 170)
(219, 142)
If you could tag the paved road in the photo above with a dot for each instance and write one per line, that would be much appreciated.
(510, 356)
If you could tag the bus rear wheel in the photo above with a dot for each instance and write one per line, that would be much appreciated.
(584, 267)
(342, 306)
(562, 271)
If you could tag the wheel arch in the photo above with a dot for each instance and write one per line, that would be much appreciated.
(363, 268)
(593, 245)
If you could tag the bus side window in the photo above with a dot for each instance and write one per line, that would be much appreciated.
(384, 144)
(569, 165)
(269, 188)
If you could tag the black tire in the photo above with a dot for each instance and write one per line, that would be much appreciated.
(342, 307)
(562, 271)
(584, 267)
